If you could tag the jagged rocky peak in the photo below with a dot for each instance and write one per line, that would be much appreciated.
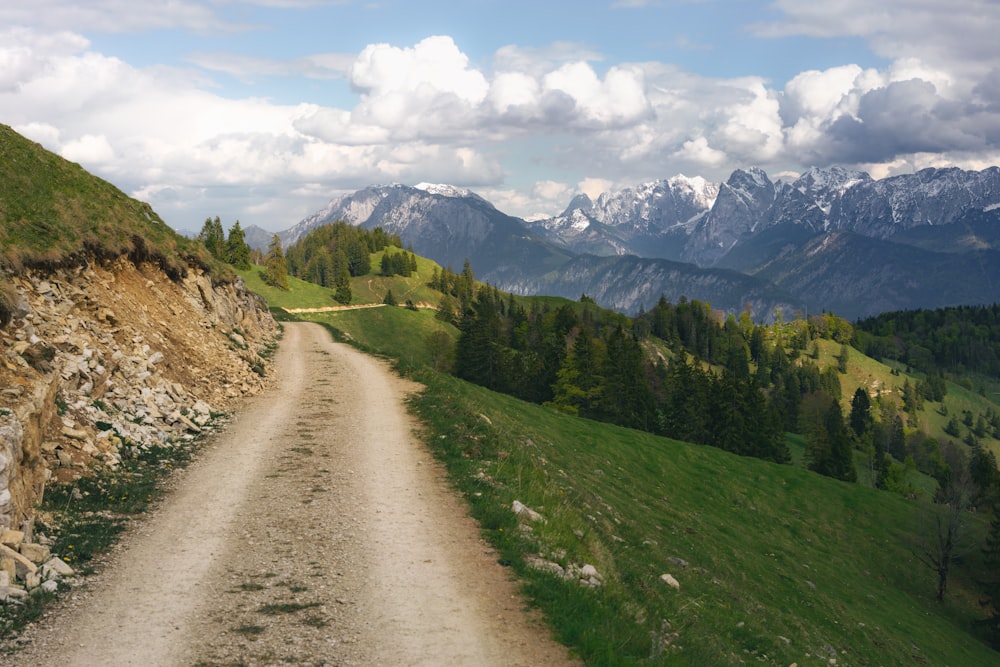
(752, 178)
(702, 191)
(581, 202)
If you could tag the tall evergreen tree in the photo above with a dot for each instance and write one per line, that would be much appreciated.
(237, 250)
(213, 237)
(579, 382)
(477, 351)
(829, 448)
(861, 417)
(275, 269)
(341, 278)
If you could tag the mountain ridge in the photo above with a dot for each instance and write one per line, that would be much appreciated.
(707, 226)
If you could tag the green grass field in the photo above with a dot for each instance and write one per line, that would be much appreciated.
(776, 565)
(783, 566)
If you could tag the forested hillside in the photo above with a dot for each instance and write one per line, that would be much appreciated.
(957, 340)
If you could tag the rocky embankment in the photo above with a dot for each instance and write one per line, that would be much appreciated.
(98, 357)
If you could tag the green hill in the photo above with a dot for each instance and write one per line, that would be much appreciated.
(53, 213)
(776, 565)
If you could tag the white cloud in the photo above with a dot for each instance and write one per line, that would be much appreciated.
(753, 128)
(90, 149)
(698, 151)
(593, 187)
(434, 65)
(617, 99)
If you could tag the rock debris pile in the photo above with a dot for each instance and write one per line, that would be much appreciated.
(25, 566)
(100, 357)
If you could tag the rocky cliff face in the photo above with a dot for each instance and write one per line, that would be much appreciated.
(98, 356)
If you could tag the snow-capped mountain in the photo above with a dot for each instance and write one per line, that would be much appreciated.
(445, 223)
(830, 238)
(702, 222)
(653, 216)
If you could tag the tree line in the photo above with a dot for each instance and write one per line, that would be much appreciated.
(962, 339)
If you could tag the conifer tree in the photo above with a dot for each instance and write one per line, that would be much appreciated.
(237, 250)
(861, 418)
(213, 237)
(341, 279)
(275, 268)
(580, 381)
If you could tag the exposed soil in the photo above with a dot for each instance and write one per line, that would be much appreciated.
(314, 530)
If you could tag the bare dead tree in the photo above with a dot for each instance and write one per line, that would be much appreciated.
(940, 551)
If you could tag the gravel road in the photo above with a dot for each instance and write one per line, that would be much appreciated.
(315, 529)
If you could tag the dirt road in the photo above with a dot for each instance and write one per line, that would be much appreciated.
(315, 530)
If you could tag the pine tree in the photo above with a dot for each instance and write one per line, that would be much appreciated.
(213, 237)
(478, 357)
(829, 447)
(341, 278)
(861, 418)
(580, 382)
(275, 268)
(237, 250)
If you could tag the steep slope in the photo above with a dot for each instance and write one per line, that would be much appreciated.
(742, 205)
(53, 213)
(116, 332)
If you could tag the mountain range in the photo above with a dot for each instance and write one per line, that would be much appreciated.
(831, 239)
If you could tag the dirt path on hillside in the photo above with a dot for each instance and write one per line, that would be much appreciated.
(315, 530)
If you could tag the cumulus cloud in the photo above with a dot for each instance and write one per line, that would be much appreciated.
(698, 151)
(91, 149)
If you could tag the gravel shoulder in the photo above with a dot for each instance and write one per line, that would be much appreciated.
(315, 529)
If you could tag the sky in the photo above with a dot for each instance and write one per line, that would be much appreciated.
(263, 110)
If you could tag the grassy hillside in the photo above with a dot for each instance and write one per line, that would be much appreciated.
(776, 565)
(875, 376)
(54, 213)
